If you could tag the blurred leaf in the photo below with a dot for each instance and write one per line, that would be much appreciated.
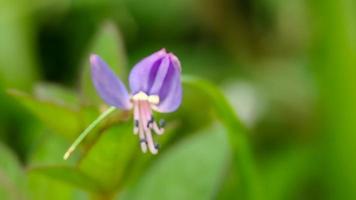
(334, 61)
(142, 161)
(284, 174)
(109, 158)
(159, 23)
(12, 178)
(229, 189)
(58, 117)
(243, 161)
(189, 170)
(69, 175)
(44, 188)
(109, 46)
(17, 63)
(19, 138)
(49, 151)
(56, 94)
(52, 8)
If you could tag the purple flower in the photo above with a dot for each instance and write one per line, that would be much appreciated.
(155, 86)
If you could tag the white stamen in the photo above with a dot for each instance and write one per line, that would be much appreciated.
(153, 99)
(146, 114)
(157, 129)
(136, 118)
(141, 96)
(141, 130)
(135, 130)
(144, 123)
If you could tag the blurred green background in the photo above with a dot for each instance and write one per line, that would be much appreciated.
(269, 107)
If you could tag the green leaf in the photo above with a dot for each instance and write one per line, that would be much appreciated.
(17, 62)
(243, 162)
(9, 163)
(12, 179)
(286, 172)
(11, 175)
(60, 118)
(191, 169)
(109, 157)
(157, 22)
(333, 61)
(44, 188)
(69, 175)
(56, 94)
(49, 151)
(108, 45)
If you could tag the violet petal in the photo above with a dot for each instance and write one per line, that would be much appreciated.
(142, 73)
(159, 77)
(171, 91)
(108, 85)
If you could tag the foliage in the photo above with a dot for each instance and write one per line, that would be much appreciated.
(264, 116)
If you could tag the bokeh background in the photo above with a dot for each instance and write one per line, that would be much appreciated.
(286, 68)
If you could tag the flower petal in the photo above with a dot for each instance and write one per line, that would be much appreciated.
(171, 91)
(175, 61)
(157, 79)
(109, 87)
(143, 73)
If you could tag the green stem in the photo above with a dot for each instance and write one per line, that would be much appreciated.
(243, 161)
(87, 131)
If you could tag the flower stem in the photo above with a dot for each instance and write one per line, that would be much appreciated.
(87, 131)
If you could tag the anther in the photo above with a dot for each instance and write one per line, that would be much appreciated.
(150, 122)
(136, 123)
(162, 123)
(157, 146)
(143, 141)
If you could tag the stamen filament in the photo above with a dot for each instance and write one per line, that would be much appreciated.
(143, 141)
(150, 122)
(145, 114)
(144, 123)
(136, 118)
(142, 136)
(157, 130)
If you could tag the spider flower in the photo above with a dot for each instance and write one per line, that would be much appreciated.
(155, 85)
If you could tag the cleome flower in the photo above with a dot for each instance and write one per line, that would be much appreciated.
(155, 84)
